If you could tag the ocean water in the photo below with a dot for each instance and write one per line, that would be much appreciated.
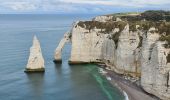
(60, 81)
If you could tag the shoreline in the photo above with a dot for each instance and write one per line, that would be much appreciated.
(128, 89)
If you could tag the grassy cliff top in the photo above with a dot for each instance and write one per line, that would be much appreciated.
(150, 15)
(125, 14)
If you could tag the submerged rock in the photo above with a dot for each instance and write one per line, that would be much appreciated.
(36, 60)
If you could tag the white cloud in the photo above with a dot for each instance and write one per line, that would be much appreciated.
(19, 6)
(79, 5)
(132, 3)
(150, 2)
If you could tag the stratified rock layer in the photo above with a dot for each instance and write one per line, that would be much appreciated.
(36, 60)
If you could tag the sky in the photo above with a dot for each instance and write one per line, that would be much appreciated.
(81, 6)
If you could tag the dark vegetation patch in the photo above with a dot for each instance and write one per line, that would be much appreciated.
(163, 28)
(70, 36)
(140, 41)
(156, 15)
(168, 58)
(143, 25)
(165, 38)
(115, 38)
(105, 27)
(145, 20)
(151, 18)
(150, 15)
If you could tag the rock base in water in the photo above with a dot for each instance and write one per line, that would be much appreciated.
(77, 62)
(36, 60)
(82, 62)
(34, 70)
(57, 61)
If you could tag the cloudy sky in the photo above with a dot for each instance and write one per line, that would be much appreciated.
(80, 6)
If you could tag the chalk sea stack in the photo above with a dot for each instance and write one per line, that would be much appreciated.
(36, 60)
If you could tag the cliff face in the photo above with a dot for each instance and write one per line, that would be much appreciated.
(129, 45)
(126, 55)
(155, 67)
(122, 52)
(87, 45)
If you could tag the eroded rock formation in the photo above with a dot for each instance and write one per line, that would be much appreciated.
(36, 60)
(58, 51)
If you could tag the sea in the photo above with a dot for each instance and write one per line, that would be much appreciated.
(60, 81)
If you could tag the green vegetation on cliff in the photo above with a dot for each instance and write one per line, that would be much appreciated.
(159, 19)
(150, 15)
(137, 21)
(115, 38)
(168, 58)
(156, 15)
(140, 42)
(105, 27)
(165, 38)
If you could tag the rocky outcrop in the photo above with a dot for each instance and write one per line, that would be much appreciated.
(134, 46)
(58, 51)
(126, 53)
(36, 60)
(103, 18)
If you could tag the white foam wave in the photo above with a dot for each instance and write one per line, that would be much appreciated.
(126, 96)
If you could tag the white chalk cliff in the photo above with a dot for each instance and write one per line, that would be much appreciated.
(103, 18)
(86, 47)
(36, 60)
(138, 53)
(94, 46)
(155, 76)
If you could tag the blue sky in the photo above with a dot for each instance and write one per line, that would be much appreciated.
(80, 6)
